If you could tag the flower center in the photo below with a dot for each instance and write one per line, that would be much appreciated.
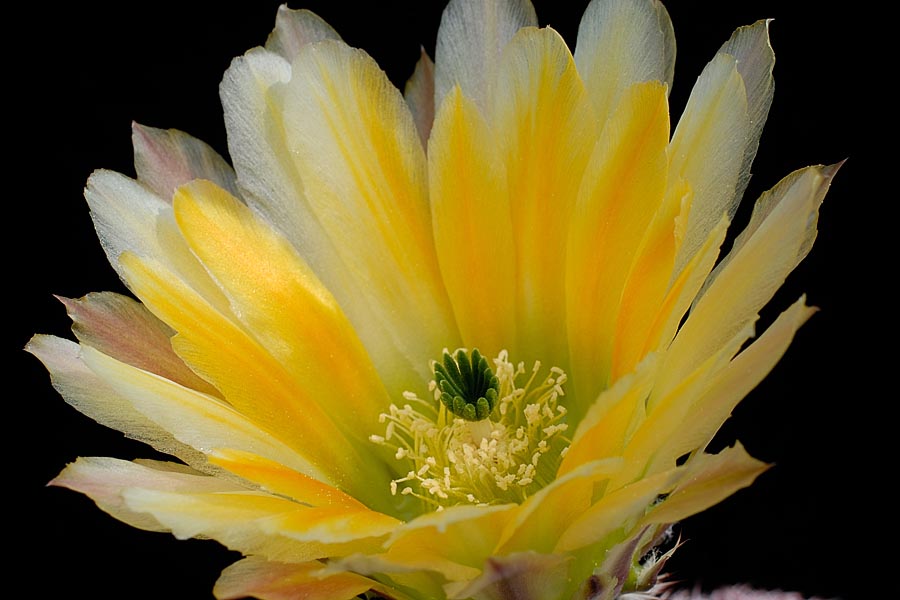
(468, 388)
(511, 449)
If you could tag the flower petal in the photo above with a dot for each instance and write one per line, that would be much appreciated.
(708, 479)
(419, 96)
(278, 298)
(472, 226)
(521, 575)
(544, 127)
(717, 136)
(124, 329)
(622, 190)
(753, 270)
(363, 167)
(470, 39)
(267, 580)
(295, 29)
(620, 43)
(90, 395)
(165, 159)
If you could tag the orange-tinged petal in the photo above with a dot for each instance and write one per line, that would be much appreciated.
(622, 190)
(544, 126)
(268, 580)
(470, 209)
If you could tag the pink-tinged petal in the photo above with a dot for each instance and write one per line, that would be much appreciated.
(296, 28)
(521, 575)
(739, 592)
(92, 396)
(620, 43)
(167, 158)
(266, 580)
(419, 96)
(103, 479)
(470, 40)
(707, 480)
(124, 329)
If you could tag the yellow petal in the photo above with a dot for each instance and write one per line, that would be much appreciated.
(614, 512)
(454, 542)
(622, 190)
(543, 517)
(287, 309)
(753, 271)
(356, 147)
(620, 43)
(472, 226)
(708, 479)
(543, 123)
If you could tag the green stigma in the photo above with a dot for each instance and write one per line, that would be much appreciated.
(468, 387)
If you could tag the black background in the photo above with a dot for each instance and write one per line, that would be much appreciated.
(79, 75)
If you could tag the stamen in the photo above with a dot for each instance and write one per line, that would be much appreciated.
(451, 460)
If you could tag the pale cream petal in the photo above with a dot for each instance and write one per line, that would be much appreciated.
(717, 136)
(90, 395)
(284, 305)
(753, 272)
(167, 158)
(544, 128)
(356, 147)
(622, 190)
(129, 218)
(472, 226)
(733, 382)
(470, 39)
(419, 96)
(521, 575)
(543, 517)
(454, 542)
(195, 419)
(124, 329)
(620, 43)
(296, 28)
(267, 580)
(707, 480)
(103, 479)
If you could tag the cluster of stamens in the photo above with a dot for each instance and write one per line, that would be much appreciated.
(505, 457)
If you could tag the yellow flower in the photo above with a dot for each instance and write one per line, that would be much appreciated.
(435, 344)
